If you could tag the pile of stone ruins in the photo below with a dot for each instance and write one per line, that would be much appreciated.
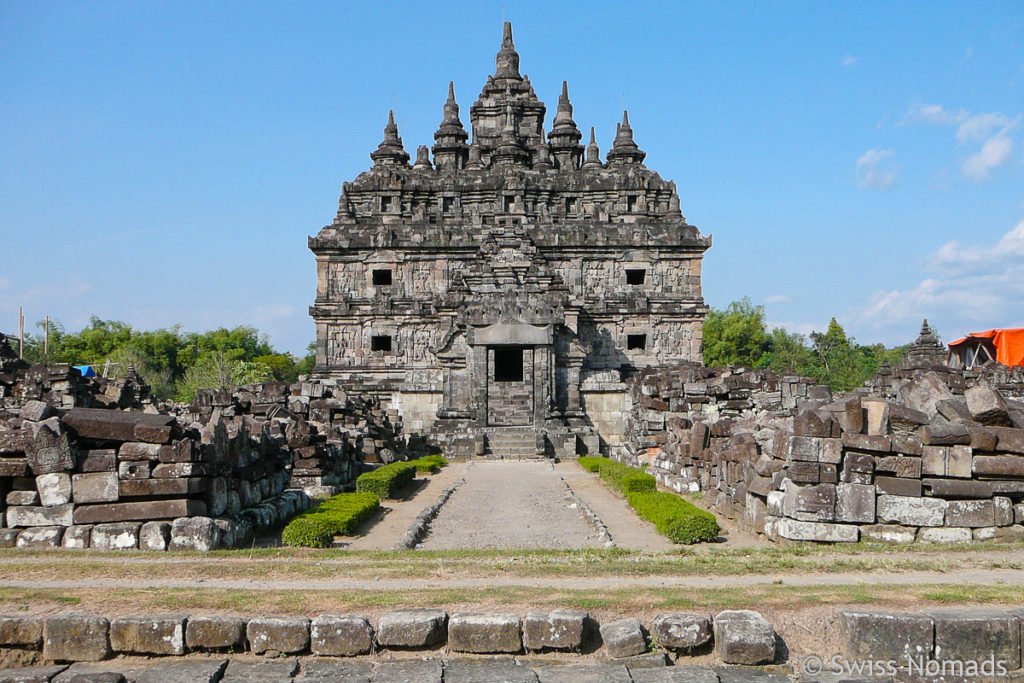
(93, 462)
(920, 453)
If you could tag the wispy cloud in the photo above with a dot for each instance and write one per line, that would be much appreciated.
(990, 130)
(776, 299)
(876, 169)
(849, 60)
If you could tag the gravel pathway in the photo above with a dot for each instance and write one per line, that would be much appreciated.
(517, 504)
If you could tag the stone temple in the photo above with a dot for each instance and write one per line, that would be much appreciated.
(499, 292)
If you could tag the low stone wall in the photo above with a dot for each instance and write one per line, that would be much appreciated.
(790, 460)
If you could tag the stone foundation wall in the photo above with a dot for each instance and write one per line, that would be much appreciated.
(790, 460)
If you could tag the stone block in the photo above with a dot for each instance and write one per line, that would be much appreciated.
(128, 470)
(933, 461)
(744, 637)
(970, 513)
(412, 628)
(23, 498)
(681, 632)
(1009, 439)
(957, 488)
(976, 634)
(686, 673)
(138, 511)
(178, 671)
(959, 461)
(982, 438)
(905, 420)
(9, 538)
(333, 670)
(944, 434)
(899, 466)
(117, 425)
(561, 629)
(21, 632)
(987, 406)
(36, 411)
(40, 537)
(1003, 510)
(811, 423)
(98, 460)
(278, 634)
(945, 534)
(810, 503)
(341, 635)
(54, 489)
(135, 450)
(857, 468)
(151, 635)
(78, 536)
(49, 449)
(898, 486)
(855, 503)
(823, 532)
(74, 637)
(911, 511)
(116, 536)
(485, 633)
(215, 633)
(29, 515)
(876, 416)
(999, 465)
(623, 638)
(136, 488)
(889, 533)
(278, 670)
(195, 533)
(471, 671)
(885, 635)
(32, 674)
(924, 393)
(155, 536)
(95, 487)
(907, 444)
(1001, 534)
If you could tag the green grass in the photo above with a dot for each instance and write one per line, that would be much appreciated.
(429, 464)
(339, 515)
(388, 480)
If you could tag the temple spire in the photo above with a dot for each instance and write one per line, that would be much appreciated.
(507, 61)
(450, 150)
(624, 150)
(593, 152)
(565, 136)
(391, 151)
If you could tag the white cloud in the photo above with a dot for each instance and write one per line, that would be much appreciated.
(934, 113)
(994, 153)
(979, 126)
(798, 328)
(850, 60)
(875, 169)
(776, 299)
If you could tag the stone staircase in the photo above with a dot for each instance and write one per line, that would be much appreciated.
(511, 443)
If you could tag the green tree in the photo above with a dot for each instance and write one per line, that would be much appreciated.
(220, 370)
(736, 335)
(308, 362)
(281, 365)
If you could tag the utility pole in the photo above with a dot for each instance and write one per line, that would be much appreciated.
(21, 332)
(46, 339)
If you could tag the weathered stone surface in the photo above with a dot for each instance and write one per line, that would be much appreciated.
(485, 633)
(278, 634)
(138, 511)
(49, 449)
(684, 632)
(561, 629)
(898, 486)
(899, 466)
(215, 633)
(95, 487)
(36, 411)
(344, 635)
(987, 406)
(116, 425)
(885, 635)
(810, 503)
(78, 536)
(680, 673)
(187, 486)
(457, 671)
(1003, 510)
(945, 434)
(911, 511)
(31, 674)
(40, 537)
(54, 489)
(970, 513)
(26, 515)
(824, 532)
(744, 637)
(9, 538)
(21, 631)
(155, 536)
(329, 670)
(116, 536)
(182, 672)
(74, 637)
(98, 460)
(408, 671)
(607, 672)
(23, 498)
(623, 638)
(194, 533)
(889, 533)
(975, 634)
(239, 670)
(924, 393)
(957, 488)
(999, 465)
(412, 628)
(945, 534)
(155, 635)
(1009, 439)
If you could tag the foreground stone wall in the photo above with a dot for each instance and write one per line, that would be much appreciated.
(232, 465)
(788, 459)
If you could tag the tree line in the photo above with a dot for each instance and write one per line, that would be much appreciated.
(738, 335)
(174, 363)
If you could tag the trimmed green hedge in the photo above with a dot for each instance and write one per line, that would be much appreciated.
(590, 463)
(339, 515)
(680, 520)
(430, 464)
(625, 479)
(388, 480)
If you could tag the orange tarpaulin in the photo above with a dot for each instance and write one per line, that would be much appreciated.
(1009, 344)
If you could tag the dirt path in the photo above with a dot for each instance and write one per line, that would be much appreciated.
(506, 504)
(389, 525)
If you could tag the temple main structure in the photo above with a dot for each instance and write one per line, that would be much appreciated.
(498, 292)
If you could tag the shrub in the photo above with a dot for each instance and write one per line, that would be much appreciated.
(624, 478)
(429, 464)
(386, 481)
(678, 519)
(339, 515)
(590, 463)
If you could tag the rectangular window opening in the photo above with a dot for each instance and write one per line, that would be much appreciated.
(570, 205)
(636, 276)
(447, 204)
(380, 342)
(382, 277)
(636, 342)
(631, 203)
(508, 203)
(385, 203)
(508, 365)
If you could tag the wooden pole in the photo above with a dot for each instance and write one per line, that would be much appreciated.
(21, 333)
(46, 339)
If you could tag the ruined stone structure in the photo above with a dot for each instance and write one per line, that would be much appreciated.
(503, 290)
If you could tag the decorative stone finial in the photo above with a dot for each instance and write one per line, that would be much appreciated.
(593, 152)
(422, 158)
(474, 163)
(624, 150)
(507, 62)
(391, 151)
(450, 149)
(565, 136)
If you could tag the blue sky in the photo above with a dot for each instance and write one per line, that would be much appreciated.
(163, 163)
